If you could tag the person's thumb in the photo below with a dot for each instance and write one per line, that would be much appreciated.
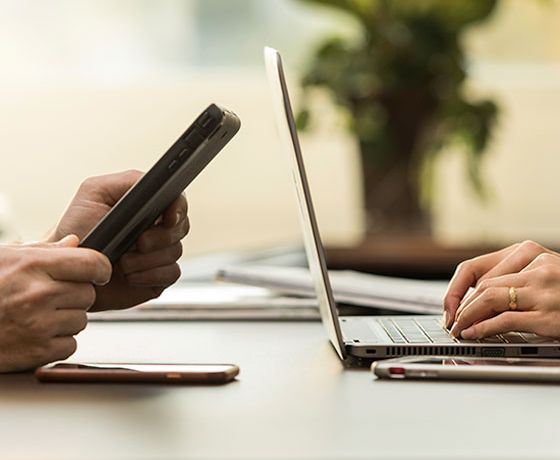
(69, 241)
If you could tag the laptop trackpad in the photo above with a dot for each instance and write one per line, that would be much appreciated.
(363, 330)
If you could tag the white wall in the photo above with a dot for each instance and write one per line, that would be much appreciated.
(66, 116)
(522, 168)
(54, 135)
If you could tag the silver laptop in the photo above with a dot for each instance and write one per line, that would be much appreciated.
(360, 339)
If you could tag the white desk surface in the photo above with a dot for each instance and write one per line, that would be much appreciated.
(292, 400)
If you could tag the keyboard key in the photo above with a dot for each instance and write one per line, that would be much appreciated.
(513, 337)
(442, 339)
(431, 324)
(492, 339)
(418, 340)
(411, 331)
(392, 331)
(421, 331)
(435, 331)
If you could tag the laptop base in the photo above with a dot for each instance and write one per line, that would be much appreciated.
(367, 340)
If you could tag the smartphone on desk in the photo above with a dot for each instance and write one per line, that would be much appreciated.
(137, 373)
(141, 206)
(453, 368)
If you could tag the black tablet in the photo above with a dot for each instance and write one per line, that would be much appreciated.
(139, 208)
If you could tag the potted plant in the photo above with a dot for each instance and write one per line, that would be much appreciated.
(401, 84)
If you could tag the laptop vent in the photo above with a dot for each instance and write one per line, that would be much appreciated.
(434, 351)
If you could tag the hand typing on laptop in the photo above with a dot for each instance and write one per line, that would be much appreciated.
(364, 338)
(514, 289)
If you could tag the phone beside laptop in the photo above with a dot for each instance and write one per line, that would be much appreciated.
(141, 206)
(461, 368)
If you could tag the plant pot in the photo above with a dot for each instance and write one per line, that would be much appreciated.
(392, 199)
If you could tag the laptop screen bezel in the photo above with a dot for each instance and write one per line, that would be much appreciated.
(312, 238)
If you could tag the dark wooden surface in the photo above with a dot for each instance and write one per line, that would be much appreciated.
(411, 257)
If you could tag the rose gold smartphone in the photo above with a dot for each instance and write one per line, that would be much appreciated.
(137, 373)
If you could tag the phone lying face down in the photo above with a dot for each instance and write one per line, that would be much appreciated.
(137, 373)
(451, 368)
(140, 207)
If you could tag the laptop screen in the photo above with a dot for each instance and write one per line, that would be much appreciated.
(312, 239)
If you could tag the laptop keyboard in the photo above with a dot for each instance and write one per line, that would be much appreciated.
(430, 330)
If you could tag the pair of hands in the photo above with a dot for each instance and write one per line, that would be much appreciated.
(533, 270)
(46, 288)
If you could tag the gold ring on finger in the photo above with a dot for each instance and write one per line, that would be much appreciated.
(512, 298)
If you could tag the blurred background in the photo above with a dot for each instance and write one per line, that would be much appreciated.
(95, 86)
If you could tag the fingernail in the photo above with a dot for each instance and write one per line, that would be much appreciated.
(104, 280)
(468, 334)
(445, 318)
(453, 330)
(178, 218)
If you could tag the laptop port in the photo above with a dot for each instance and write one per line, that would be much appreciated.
(371, 351)
(493, 352)
(529, 350)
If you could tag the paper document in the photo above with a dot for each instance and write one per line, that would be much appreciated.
(216, 301)
(350, 287)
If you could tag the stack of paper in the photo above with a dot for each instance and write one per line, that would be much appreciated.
(216, 301)
(349, 287)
